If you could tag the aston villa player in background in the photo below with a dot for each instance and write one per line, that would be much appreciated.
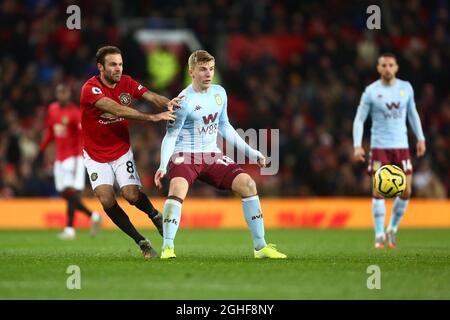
(389, 101)
(105, 106)
(63, 125)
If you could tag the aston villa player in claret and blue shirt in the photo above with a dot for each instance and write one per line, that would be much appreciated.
(389, 101)
(189, 152)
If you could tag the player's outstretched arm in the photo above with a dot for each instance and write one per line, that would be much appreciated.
(110, 106)
(175, 103)
(161, 101)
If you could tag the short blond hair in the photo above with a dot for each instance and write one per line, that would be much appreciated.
(199, 56)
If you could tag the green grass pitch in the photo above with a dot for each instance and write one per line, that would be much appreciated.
(218, 264)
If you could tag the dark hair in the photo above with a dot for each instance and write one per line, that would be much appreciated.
(388, 55)
(104, 51)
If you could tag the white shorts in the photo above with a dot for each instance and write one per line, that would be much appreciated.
(69, 173)
(123, 170)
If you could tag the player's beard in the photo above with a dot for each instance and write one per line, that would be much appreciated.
(388, 76)
(113, 79)
(63, 103)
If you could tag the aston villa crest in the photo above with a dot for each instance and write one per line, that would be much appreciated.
(218, 99)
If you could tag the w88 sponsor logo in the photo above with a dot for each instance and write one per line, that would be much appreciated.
(210, 129)
(393, 114)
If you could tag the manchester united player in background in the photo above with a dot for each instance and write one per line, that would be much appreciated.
(63, 125)
(105, 107)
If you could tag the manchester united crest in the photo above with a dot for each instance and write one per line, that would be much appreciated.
(94, 176)
(65, 120)
(125, 99)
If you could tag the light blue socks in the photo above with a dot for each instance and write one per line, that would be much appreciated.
(171, 221)
(397, 213)
(254, 219)
(378, 211)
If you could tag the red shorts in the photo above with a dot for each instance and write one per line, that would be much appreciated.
(213, 168)
(398, 157)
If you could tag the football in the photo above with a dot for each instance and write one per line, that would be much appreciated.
(389, 181)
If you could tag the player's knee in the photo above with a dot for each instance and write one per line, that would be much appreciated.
(178, 187)
(251, 186)
(132, 196)
(106, 200)
(246, 186)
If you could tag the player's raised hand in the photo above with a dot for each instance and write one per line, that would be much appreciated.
(421, 148)
(359, 154)
(167, 115)
(174, 103)
(158, 176)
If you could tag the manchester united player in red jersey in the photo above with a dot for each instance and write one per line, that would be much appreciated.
(105, 107)
(63, 125)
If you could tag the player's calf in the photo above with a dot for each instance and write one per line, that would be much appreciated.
(158, 222)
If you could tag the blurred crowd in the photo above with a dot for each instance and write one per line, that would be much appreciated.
(311, 98)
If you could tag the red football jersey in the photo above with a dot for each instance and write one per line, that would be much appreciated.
(106, 137)
(63, 124)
